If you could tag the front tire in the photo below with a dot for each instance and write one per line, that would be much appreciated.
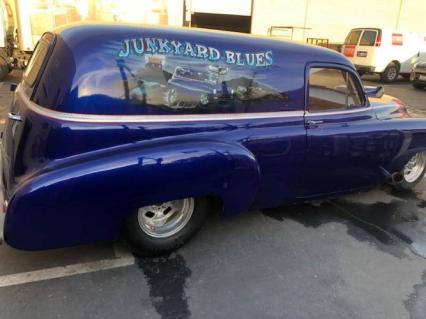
(158, 229)
(390, 74)
(413, 172)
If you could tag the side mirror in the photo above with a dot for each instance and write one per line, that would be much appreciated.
(374, 91)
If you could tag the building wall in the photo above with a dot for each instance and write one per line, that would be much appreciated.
(332, 19)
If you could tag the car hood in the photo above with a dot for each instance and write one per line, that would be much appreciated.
(385, 99)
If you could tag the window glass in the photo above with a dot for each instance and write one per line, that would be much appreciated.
(198, 78)
(332, 89)
(164, 86)
(36, 61)
(353, 37)
(368, 38)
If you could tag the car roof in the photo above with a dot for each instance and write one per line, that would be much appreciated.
(86, 34)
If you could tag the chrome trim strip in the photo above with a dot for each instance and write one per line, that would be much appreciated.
(92, 118)
(360, 109)
(14, 117)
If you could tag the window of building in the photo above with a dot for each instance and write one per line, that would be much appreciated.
(332, 89)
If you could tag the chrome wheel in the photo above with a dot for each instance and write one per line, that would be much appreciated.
(165, 219)
(172, 97)
(415, 167)
(392, 74)
(204, 99)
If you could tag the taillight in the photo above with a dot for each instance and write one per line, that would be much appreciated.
(401, 107)
(349, 51)
(378, 40)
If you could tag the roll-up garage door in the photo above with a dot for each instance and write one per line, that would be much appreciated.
(222, 15)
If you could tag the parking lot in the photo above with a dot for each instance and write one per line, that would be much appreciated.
(359, 256)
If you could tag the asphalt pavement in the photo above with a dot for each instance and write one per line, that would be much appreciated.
(358, 256)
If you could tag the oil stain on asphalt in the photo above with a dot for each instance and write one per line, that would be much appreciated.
(415, 304)
(389, 220)
(166, 277)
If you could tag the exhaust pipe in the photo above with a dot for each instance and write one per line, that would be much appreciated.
(394, 178)
(397, 178)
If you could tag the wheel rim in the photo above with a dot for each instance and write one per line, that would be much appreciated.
(392, 73)
(165, 219)
(415, 167)
(172, 97)
(204, 99)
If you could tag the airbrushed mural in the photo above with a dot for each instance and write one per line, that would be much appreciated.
(161, 76)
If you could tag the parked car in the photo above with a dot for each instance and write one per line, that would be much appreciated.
(83, 163)
(189, 88)
(418, 76)
(386, 52)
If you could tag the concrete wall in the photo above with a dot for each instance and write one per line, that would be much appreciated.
(333, 19)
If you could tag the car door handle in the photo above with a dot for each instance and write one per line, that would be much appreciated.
(15, 117)
(313, 123)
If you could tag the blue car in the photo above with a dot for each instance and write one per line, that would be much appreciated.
(95, 150)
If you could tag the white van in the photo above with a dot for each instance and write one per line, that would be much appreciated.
(386, 52)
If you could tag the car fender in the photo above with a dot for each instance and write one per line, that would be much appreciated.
(86, 198)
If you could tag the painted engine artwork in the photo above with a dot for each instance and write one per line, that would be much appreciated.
(161, 76)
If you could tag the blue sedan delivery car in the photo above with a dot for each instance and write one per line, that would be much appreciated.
(96, 146)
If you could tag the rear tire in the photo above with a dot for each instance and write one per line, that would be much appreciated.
(4, 68)
(413, 172)
(418, 86)
(159, 234)
(390, 74)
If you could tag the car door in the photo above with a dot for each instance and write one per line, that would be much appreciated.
(345, 140)
(366, 49)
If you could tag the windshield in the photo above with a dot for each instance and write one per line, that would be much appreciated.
(36, 61)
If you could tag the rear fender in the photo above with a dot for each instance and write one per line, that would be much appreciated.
(86, 199)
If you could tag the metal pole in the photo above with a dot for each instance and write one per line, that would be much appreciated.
(305, 19)
(184, 14)
(399, 14)
(251, 16)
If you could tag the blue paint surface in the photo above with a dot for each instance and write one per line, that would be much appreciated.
(71, 182)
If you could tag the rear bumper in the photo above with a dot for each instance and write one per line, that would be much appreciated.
(365, 68)
(415, 77)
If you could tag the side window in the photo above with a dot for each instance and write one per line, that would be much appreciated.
(167, 84)
(368, 38)
(37, 59)
(332, 89)
(170, 83)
